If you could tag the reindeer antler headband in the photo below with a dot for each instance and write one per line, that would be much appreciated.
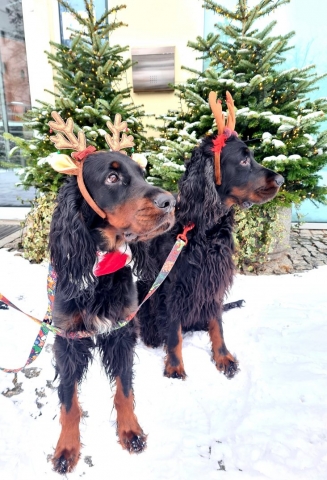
(64, 164)
(225, 130)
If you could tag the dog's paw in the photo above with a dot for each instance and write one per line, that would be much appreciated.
(175, 371)
(65, 461)
(227, 364)
(134, 443)
(231, 370)
(137, 444)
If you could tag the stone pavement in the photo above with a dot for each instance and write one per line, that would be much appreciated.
(308, 249)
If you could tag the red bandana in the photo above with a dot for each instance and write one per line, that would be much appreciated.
(110, 262)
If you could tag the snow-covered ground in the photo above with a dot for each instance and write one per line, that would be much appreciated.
(269, 422)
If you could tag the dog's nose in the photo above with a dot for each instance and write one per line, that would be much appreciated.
(165, 201)
(279, 180)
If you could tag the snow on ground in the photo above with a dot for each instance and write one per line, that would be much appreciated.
(269, 422)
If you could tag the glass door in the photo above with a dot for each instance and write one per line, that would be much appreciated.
(14, 99)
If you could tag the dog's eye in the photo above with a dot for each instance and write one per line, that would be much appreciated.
(112, 178)
(245, 161)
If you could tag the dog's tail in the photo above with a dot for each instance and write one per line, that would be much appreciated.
(229, 306)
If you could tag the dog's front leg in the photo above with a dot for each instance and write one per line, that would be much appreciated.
(68, 447)
(225, 362)
(71, 363)
(174, 365)
(130, 434)
(117, 351)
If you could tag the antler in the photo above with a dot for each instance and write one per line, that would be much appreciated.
(63, 163)
(114, 141)
(217, 111)
(231, 120)
(71, 141)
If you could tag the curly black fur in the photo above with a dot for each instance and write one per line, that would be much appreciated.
(191, 298)
(134, 211)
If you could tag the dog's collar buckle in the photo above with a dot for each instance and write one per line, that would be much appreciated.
(182, 236)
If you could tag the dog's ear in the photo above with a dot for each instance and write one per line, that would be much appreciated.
(199, 200)
(72, 248)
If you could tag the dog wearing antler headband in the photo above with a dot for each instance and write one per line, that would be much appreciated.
(104, 207)
(221, 172)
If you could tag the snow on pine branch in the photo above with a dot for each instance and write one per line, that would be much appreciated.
(231, 82)
(273, 118)
(281, 158)
(174, 166)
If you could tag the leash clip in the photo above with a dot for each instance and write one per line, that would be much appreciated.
(182, 236)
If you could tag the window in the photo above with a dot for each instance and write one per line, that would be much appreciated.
(67, 21)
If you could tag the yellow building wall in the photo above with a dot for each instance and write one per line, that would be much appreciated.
(157, 23)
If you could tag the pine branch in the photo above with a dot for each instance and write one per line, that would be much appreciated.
(193, 70)
(49, 91)
(70, 9)
(106, 14)
(273, 51)
(219, 9)
(266, 8)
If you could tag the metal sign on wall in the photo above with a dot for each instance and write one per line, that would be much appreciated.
(154, 69)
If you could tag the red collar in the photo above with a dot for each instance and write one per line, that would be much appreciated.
(110, 262)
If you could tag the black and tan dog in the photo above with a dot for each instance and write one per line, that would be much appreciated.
(106, 208)
(221, 172)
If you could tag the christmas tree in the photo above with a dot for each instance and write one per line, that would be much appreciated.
(275, 114)
(88, 75)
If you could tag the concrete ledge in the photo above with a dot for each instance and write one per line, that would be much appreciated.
(10, 238)
(14, 213)
(311, 226)
(10, 222)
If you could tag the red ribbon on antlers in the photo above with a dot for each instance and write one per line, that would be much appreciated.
(84, 153)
